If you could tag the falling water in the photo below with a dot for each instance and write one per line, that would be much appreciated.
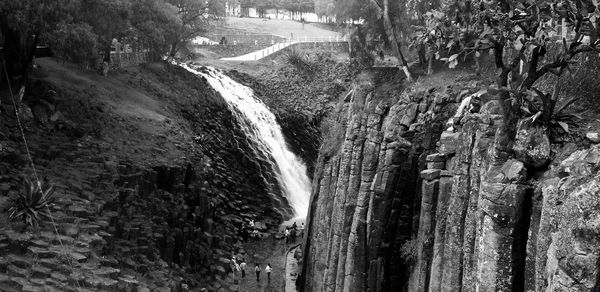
(261, 127)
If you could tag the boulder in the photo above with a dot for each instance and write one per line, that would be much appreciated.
(594, 137)
(410, 114)
(532, 145)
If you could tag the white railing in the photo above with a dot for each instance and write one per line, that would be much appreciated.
(319, 39)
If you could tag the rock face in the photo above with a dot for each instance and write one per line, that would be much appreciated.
(365, 188)
(393, 211)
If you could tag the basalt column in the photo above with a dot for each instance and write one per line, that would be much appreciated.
(366, 191)
(429, 199)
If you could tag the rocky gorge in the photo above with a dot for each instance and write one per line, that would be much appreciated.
(408, 196)
(154, 178)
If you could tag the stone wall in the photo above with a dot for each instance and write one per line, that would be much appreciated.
(393, 211)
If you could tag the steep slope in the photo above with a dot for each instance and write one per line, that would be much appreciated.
(153, 179)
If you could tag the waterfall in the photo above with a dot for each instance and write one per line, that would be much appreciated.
(261, 127)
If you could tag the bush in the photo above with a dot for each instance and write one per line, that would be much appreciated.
(31, 204)
(409, 251)
(75, 43)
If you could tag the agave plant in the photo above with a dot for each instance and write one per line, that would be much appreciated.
(562, 120)
(31, 204)
(299, 60)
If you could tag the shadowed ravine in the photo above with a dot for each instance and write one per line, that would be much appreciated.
(261, 127)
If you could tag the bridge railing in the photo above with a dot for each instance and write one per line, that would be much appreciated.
(318, 39)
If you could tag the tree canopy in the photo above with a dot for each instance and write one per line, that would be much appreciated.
(527, 40)
(79, 30)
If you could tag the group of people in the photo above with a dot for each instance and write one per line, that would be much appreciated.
(242, 266)
(290, 233)
(250, 230)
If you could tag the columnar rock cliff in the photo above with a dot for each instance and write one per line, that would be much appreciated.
(411, 193)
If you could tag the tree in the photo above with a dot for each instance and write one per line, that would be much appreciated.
(392, 29)
(263, 5)
(152, 22)
(109, 20)
(75, 43)
(196, 17)
(23, 23)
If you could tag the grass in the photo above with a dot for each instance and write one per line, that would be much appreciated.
(284, 28)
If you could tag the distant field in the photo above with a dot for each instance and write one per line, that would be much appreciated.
(282, 28)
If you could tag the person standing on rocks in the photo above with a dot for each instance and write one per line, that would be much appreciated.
(234, 267)
(293, 235)
(268, 270)
(243, 268)
(257, 271)
(286, 233)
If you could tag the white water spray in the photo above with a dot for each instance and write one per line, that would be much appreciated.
(261, 127)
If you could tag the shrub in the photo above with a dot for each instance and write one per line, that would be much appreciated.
(409, 250)
(31, 204)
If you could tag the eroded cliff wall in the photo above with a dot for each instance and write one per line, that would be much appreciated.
(411, 193)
